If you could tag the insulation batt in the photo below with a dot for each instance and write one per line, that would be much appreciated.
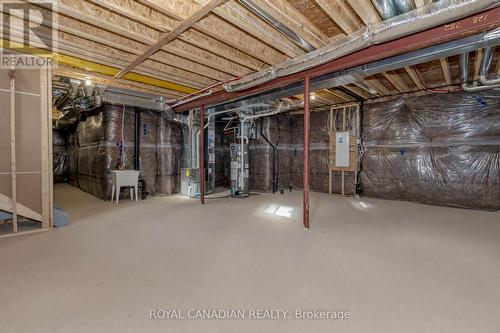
(277, 129)
(59, 156)
(93, 150)
(441, 149)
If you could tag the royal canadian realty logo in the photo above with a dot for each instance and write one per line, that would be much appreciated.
(28, 33)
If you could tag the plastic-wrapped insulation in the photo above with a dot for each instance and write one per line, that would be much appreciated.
(414, 21)
(277, 129)
(441, 149)
(169, 147)
(149, 137)
(59, 156)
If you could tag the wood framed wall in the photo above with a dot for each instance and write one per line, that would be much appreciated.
(26, 148)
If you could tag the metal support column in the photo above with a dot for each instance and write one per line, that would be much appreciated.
(138, 126)
(202, 154)
(307, 86)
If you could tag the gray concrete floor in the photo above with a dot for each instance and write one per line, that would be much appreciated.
(397, 266)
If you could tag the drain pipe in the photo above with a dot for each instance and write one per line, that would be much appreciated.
(279, 109)
(275, 158)
(485, 64)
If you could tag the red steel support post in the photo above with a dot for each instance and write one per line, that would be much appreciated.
(307, 87)
(202, 154)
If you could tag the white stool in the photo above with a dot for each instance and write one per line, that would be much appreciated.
(121, 178)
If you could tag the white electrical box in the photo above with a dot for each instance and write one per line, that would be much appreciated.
(342, 149)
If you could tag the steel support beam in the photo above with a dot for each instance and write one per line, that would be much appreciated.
(138, 127)
(202, 154)
(307, 97)
(483, 21)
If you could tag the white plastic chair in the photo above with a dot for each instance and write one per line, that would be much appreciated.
(122, 178)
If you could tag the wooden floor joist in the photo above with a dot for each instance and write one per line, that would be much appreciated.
(169, 36)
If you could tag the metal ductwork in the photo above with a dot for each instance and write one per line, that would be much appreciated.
(390, 8)
(385, 8)
(75, 87)
(355, 75)
(485, 67)
(261, 13)
(403, 6)
(411, 22)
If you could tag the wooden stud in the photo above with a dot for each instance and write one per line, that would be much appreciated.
(20, 209)
(166, 38)
(44, 115)
(13, 170)
(50, 162)
(28, 232)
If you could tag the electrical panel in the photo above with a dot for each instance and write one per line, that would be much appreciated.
(342, 149)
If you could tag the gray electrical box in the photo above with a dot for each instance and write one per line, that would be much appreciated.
(342, 149)
(239, 171)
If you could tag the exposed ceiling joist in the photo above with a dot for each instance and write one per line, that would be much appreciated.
(358, 91)
(340, 13)
(477, 63)
(134, 28)
(365, 10)
(111, 81)
(204, 29)
(412, 72)
(339, 94)
(396, 81)
(166, 38)
(285, 13)
(377, 86)
(248, 21)
(445, 66)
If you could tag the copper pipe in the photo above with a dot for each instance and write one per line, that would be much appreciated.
(307, 88)
(202, 154)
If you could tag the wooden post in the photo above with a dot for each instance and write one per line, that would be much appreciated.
(49, 123)
(44, 131)
(12, 81)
